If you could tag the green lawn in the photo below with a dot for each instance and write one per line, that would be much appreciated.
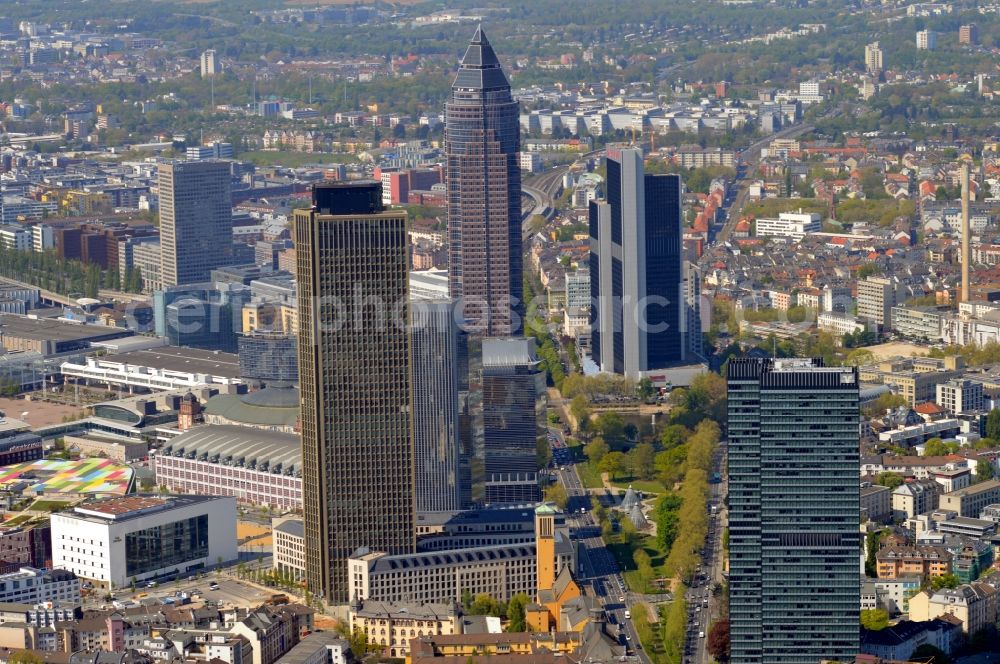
(588, 475)
(296, 159)
(646, 486)
(623, 554)
(48, 505)
(649, 634)
(18, 520)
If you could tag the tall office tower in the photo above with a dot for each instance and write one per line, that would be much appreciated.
(483, 179)
(196, 220)
(693, 309)
(638, 319)
(354, 377)
(210, 64)
(873, 59)
(794, 509)
(437, 350)
(511, 383)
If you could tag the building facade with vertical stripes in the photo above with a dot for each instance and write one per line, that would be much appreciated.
(794, 509)
(355, 380)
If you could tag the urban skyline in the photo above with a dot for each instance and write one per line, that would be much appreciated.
(627, 334)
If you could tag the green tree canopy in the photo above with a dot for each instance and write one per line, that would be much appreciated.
(929, 655)
(556, 493)
(612, 428)
(889, 479)
(612, 463)
(874, 619)
(993, 424)
(596, 449)
(516, 614)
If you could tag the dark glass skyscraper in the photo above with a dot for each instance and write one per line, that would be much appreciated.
(794, 510)
(638, 315)
(438, 349)
(355, 378)
(511, 386)
(483, 179)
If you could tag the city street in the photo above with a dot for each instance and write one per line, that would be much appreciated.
(596, 563)
(704, 607)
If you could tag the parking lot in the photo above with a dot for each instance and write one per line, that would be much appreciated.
(230, 592)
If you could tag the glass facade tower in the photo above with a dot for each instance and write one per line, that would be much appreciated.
(438, 348)
(793, 511)
(638, 313)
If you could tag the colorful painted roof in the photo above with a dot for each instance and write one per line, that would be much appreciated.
(58, 476)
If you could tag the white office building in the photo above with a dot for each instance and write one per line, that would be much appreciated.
(34, 586)
(578, 290)
(531, 162)
(144, 537)
(15, 237)
(42, 237)
(873, 58)
(795, 225)
(926, 40)
(876, 298)
(840, 323)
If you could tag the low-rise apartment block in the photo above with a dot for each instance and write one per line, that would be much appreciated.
(893, 562)
(915, 379)
(392, 626)
(960, 395)
(289, 547)
(876, 503)
(916, 497)
(975, 604)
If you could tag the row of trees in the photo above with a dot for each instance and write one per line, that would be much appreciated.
(673, 620)
(50, 272)
(975, 355)
(598, 386)
(692, 516)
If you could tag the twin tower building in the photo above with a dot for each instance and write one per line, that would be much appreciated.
(382, 376)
